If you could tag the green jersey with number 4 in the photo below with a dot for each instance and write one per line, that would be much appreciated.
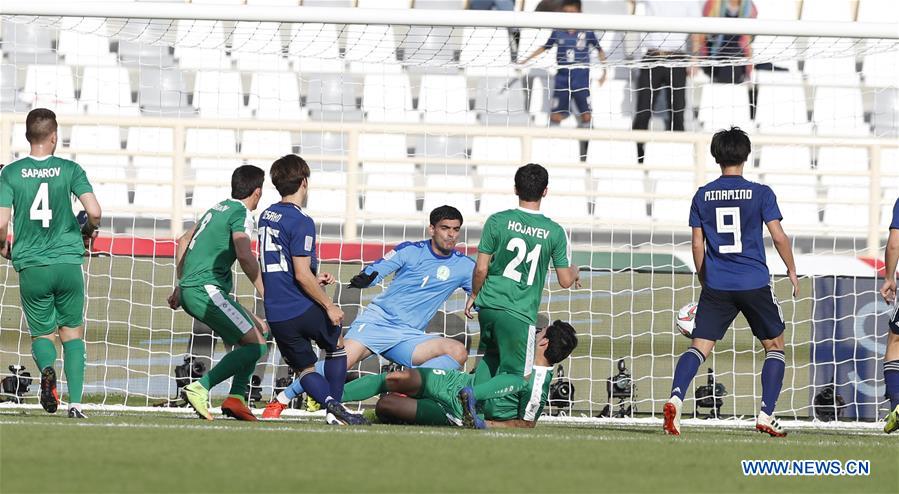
(44, 226)
(527, 404)
(522, 243)
(211, 253)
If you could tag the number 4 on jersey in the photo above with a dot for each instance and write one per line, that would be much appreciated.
(40, 208)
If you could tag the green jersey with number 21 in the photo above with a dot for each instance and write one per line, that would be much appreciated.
(522, 243)
(44, 226)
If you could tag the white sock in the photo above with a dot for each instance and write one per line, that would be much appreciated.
(282, 398)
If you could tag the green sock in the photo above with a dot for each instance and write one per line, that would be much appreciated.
(241, 381)
(428, 412)
(365, 387)
(44, 353)
(74, 355)
(501, 385)
(239, 359)
(486, 368)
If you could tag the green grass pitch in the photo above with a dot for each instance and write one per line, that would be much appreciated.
(130, 452)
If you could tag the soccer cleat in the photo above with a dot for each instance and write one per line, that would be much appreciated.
(75, 413)
(672, 416)
(337, 414)
(769, 425)
(49, 396)
(237, 409)
(273, 410)
(470, 419)
(312, 405)
(892, 424)
(198, 398)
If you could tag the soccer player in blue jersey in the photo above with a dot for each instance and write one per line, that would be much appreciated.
(727, 217)
(891, 357)
(393, 324)
(573, 76)
(296, 306)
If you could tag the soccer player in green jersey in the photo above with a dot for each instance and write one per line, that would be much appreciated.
(205, 255)
(48, 253)
(448, 397)
(516, 248)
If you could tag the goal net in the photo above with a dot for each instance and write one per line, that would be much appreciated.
(400, 110)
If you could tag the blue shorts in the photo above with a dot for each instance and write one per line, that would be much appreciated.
(718, 308)
(395, 343)
(294, 337)
(571, 84)
(894, 319)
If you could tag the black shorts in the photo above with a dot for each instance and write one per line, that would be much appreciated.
(718, 308)
(295, 336)
(894, 319)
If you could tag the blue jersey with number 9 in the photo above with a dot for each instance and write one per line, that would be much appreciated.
(731, 211)
(285, 232)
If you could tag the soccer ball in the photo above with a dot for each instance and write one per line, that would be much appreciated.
(684, 321)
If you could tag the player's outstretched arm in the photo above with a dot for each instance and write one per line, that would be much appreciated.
(478, 277)
(180, 249)
(511, 424)
(5, 215)
(248, 262)
(569, 276)
(782, 244)
(698, 246)
(94, 213)
(302, 268)
(537, 53)
(891, 257)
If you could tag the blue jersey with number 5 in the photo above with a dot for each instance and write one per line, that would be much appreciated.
(731, 211)
(285, 232)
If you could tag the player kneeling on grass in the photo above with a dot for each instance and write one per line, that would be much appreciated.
(49, 252)
(393, 325)
(891, 356)
(729, 253)
(296, 306)
(205, 255)
(448, 397)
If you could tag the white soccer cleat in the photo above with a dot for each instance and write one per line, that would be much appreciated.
(672, 411)
(769, 425)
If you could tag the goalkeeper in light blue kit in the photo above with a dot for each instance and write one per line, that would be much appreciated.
(428, 272)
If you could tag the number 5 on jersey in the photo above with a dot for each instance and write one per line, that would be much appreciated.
(40, 207)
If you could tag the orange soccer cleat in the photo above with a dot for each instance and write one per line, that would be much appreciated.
(236, 408)
(273, 410)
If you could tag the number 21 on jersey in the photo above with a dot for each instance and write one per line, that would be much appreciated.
(518, 246)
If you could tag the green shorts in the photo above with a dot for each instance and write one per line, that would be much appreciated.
(215, 308)
(443, 386)
(508, 339)
(52, 297)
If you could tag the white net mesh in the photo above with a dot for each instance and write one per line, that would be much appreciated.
(396, 119)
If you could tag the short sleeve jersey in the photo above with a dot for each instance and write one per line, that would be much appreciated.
(285, 232)
(894, 225)
(574, 47)
(522, 243)
(211, 253)
(527, 404)
(731, 211)
(40, 190)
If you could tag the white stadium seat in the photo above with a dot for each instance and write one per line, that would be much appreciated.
(99, 137)
(833, 10)
(846, 207)
(777, 159)
(620, 208)
(843, 159)
(798, 204)
(394, 201)
(839, 110)
(270, 144)
(275, 95)
(831, 71)
(609, 101)
(501, 199)
(485, 51)
(444, 99)
(218, 94)
(50, 86)
(328, 195)
(85, 49)
(556, 205)
(258, 46)
(724, 105)
(388, 98)
(107, 91)
(881, 69)
(157, 196)
(464, 201)
(558, 151)
(669, 154)
(531, 40)
(781, 105)
(371, 48)
(209, 141)
(484, 148)
(201, 45)
(877, 11)
(315, 48)
(617, 153)
(385, 147)
(673, 210)
(787, 10)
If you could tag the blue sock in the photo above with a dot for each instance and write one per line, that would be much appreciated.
(772, 379)
(296, 388)
(891, 377)
(335, 372)
(444, 362)
(316, 386)
(687, 365)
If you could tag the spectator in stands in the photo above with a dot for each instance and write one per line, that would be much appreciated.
(667, 56)
(727, 46)
(514, 34)
(549, 6)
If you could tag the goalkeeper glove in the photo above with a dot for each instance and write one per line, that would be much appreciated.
(362, 280)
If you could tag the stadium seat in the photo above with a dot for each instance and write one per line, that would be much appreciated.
(315, 48)
(609, 102)
(798, 204)
(201, 45)
(441, 146)
(371, 48)
(97, 137)
(332, 97)
(135, 53)
(324, 143)
(388, 98)
(531, 40)
(444, 99)
(50, 86)
(209, 141)
(501, 101)
(384, 146)
(429, 46)
(669, 154)
(885, 113)
(557, 205)
(462, 199)
(877, 11)
(9, 86)
(834, 160)
(262, 147)
(219, 94)
(834, 11)
(212, 189)
(151, 140)
(276, 95)
(154, 196)
(786, 10)
(881, 69)
(20, 144)
(781, 105)
(503, 198)
(674, 210)
(28, 43)
(839, 110)
(776, 159)
(85, 49)
(327, 199)
(889, 166)
(621, 154)
(620, 208)
(163, 92)
(724, 105)
(831, 71)
(257, 46)
(846, 207)
(485, 51)
(558, 151)
(392, 203)
(107, 91)
(488, 148)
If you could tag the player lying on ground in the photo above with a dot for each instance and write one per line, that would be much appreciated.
(48, 253)
(446, 397)
(393, 324)
(729, 253)
(296, 306)
(891, 357)
(204, 258)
